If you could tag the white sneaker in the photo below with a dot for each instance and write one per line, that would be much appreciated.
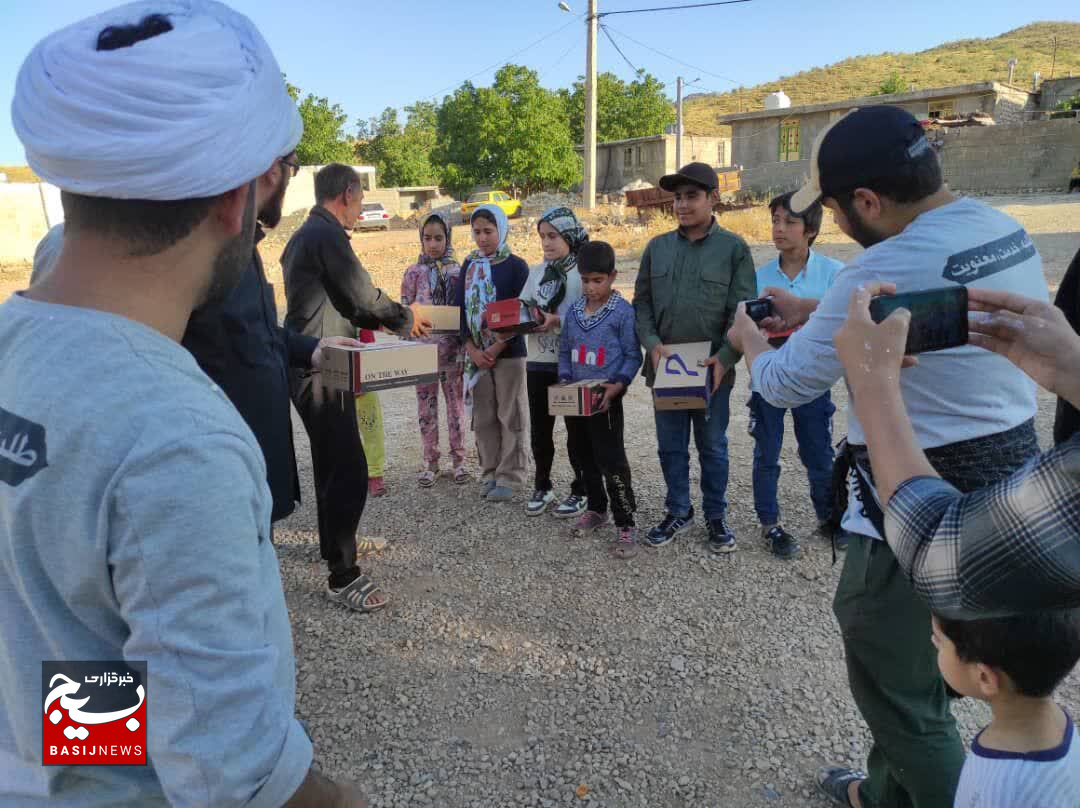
(539, 502)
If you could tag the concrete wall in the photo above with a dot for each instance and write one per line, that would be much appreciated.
(1030, 156)
(1033, 156)
(1053, 91)
(24, 220)
(652, 158)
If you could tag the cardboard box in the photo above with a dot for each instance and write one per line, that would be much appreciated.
(575, 398)
(512, 316)
(444, 319)
(682, 381)
(379, 366)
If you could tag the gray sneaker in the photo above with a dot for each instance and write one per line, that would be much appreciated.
(485, 488)
(500, 493)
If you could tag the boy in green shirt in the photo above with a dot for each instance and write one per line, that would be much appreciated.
(688, 286)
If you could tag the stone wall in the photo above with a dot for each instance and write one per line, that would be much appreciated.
(1016, 158)
(1033, 156)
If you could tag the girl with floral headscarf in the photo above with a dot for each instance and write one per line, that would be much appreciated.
(553, 285)
(432, 281)
(494, 364)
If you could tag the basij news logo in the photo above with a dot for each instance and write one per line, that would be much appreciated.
(94, 713)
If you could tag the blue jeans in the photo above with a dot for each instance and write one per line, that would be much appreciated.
(710, 436)
(813, 431)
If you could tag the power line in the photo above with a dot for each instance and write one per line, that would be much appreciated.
(670, 8)
(573, 46)
(501, 62)
(670, 57)
(615, 45)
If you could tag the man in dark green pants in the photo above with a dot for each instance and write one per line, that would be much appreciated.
(972, 414)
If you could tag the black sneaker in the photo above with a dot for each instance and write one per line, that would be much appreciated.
(781, 543)
(668, 529)
(721, 537)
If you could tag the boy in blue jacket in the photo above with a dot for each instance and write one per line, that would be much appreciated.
(599, 341)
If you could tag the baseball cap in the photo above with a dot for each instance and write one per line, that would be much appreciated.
(702, 175)
(867, 144)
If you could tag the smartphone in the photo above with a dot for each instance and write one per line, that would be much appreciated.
(939, 317)
(759, 308)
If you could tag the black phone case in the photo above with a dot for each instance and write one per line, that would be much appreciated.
(946, 326)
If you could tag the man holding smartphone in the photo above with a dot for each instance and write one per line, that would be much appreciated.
(972, 411)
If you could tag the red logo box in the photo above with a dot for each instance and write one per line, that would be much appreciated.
(93, 713)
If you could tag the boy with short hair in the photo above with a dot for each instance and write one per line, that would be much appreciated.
(1029, 754)
(689, 284)
(800, 271)
(599, 341)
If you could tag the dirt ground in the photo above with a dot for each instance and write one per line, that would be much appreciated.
(518, 665)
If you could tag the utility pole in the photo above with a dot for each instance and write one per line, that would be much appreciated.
(589, 186)
(678, 122)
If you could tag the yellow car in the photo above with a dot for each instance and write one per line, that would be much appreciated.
(511, 207)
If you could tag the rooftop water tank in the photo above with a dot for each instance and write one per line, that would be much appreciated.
(778, 100)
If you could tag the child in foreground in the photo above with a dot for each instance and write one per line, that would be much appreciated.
(432, 281)
(1029, 755)
(599, 341)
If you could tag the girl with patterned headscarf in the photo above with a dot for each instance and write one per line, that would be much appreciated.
(553, 286)
(432, 281)
(494, 364)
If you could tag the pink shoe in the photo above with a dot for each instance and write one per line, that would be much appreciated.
(590, 520)
(375, 487)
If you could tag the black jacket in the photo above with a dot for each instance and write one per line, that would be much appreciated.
(329, 292)
(1067, 422)
(239, 344)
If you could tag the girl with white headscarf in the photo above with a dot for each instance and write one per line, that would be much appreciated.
(554, 285)
(494, 365)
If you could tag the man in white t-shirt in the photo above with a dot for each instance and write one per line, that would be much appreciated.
(972, 411)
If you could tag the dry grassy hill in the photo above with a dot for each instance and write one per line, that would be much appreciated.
(960, 62)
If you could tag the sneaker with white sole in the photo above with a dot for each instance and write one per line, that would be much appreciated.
(668, 529)
(539, 502)
(572, 506)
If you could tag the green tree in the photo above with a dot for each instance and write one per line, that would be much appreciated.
(893, 84)
(401, 154)
(514, 134)
(623, 109)
(324, 139)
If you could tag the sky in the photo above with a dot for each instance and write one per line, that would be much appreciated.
(367, 55)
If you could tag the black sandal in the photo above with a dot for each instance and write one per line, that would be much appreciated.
(833, 782)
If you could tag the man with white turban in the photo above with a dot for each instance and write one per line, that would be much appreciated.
(134, 509)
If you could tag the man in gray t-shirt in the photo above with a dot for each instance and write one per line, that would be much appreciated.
(134, 509)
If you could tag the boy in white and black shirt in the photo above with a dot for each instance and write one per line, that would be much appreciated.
(1029, 755)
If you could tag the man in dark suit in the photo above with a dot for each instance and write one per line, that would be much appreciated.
(330, 294)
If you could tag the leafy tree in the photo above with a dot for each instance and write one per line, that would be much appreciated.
(1069, 103)
(324, 139)
(401, 154)
(513, 134)
(893, 84)
(623, 109)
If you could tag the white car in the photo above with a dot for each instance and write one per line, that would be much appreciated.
(373, 216)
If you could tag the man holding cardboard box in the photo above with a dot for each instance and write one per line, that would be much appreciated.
(330, 293)
(687, 289)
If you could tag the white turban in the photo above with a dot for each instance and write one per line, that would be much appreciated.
(192, 112)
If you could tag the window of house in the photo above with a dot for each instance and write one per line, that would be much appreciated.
(640, 156)
(789, 141)
(942, 109)
(628, 158)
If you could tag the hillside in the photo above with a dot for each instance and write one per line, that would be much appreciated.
(960, 62)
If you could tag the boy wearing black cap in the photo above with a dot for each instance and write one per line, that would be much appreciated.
(972, 412)
(687, 288)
